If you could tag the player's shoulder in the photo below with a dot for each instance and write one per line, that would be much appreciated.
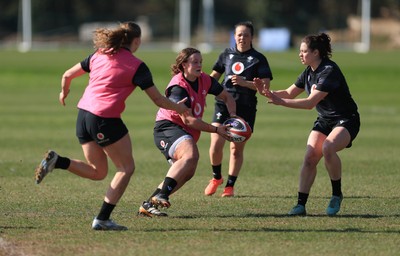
(258, 54)
(230, 50)
(328, 66)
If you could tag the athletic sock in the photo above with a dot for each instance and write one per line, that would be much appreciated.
(168, 186)
(105, 211)
(231, 181)
(217, 171)
(336, 187)
(154, 193)
(302, 198)
(62, 163)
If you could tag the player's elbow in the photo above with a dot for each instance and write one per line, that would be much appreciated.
(189, 121)
(160, 101)
(67, 76)
(310, 105)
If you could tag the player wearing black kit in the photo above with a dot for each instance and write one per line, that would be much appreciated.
(337, 124)
(240, 64)
(247, 65)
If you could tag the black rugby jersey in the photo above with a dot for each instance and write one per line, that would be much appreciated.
(249, 64)
(329, 78)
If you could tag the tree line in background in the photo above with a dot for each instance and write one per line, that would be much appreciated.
(64, 17)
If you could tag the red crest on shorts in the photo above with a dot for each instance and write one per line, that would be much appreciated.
(162, 143)
(100, 136)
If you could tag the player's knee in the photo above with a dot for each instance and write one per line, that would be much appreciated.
(189, 175)
(129, 169)
(236, 153)
(310, 160)
(328, 149)
(99, 175)
(192, 160)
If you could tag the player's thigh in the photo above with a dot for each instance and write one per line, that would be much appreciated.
(120, 153)
(187, 149)
(314, 145)
(95, 156)
(217, 142)
(338, 139)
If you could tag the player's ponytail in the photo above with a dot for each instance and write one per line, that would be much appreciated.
(320, 42)
(109, 41)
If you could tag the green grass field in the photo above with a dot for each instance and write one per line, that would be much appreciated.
(54, 218)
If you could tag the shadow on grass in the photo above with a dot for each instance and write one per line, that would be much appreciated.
(3, 228)
(361, 216)
(11, 227)
(317, 197)
(278, 230)
(329, 230)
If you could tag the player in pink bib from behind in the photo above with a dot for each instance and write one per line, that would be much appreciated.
(114, 73)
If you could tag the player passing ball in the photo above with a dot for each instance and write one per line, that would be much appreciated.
(338, 120)
(176, 134)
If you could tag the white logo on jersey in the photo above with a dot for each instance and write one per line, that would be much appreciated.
(230, 56)
(313, 87)
(197, 109)
(249, 59)
(218, 115)
(163, 144)
(237, 68)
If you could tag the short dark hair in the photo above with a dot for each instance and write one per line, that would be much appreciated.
(247, 24)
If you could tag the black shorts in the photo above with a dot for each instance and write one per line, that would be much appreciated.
(352, 124)
(105, 131)
(221, 113)
(167, 136)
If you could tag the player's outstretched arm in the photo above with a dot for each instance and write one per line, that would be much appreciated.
(66, 79)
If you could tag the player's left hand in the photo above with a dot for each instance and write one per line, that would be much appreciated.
(259, 84)
(182, 109)
(273, 98)
(63, 95)
(222, 130)
(237, 80)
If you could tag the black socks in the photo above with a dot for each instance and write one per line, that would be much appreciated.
(168, 186)
(302, 198)
(62, 163)
(216, 171)
(105, 211)
(336, 187)
(231, 181)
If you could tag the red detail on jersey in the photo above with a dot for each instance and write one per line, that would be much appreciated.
(198, 101)
(237, 67)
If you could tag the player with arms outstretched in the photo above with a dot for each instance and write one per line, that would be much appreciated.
(338, 121)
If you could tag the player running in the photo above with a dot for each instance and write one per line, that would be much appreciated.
(114, 73)
(175, 134)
